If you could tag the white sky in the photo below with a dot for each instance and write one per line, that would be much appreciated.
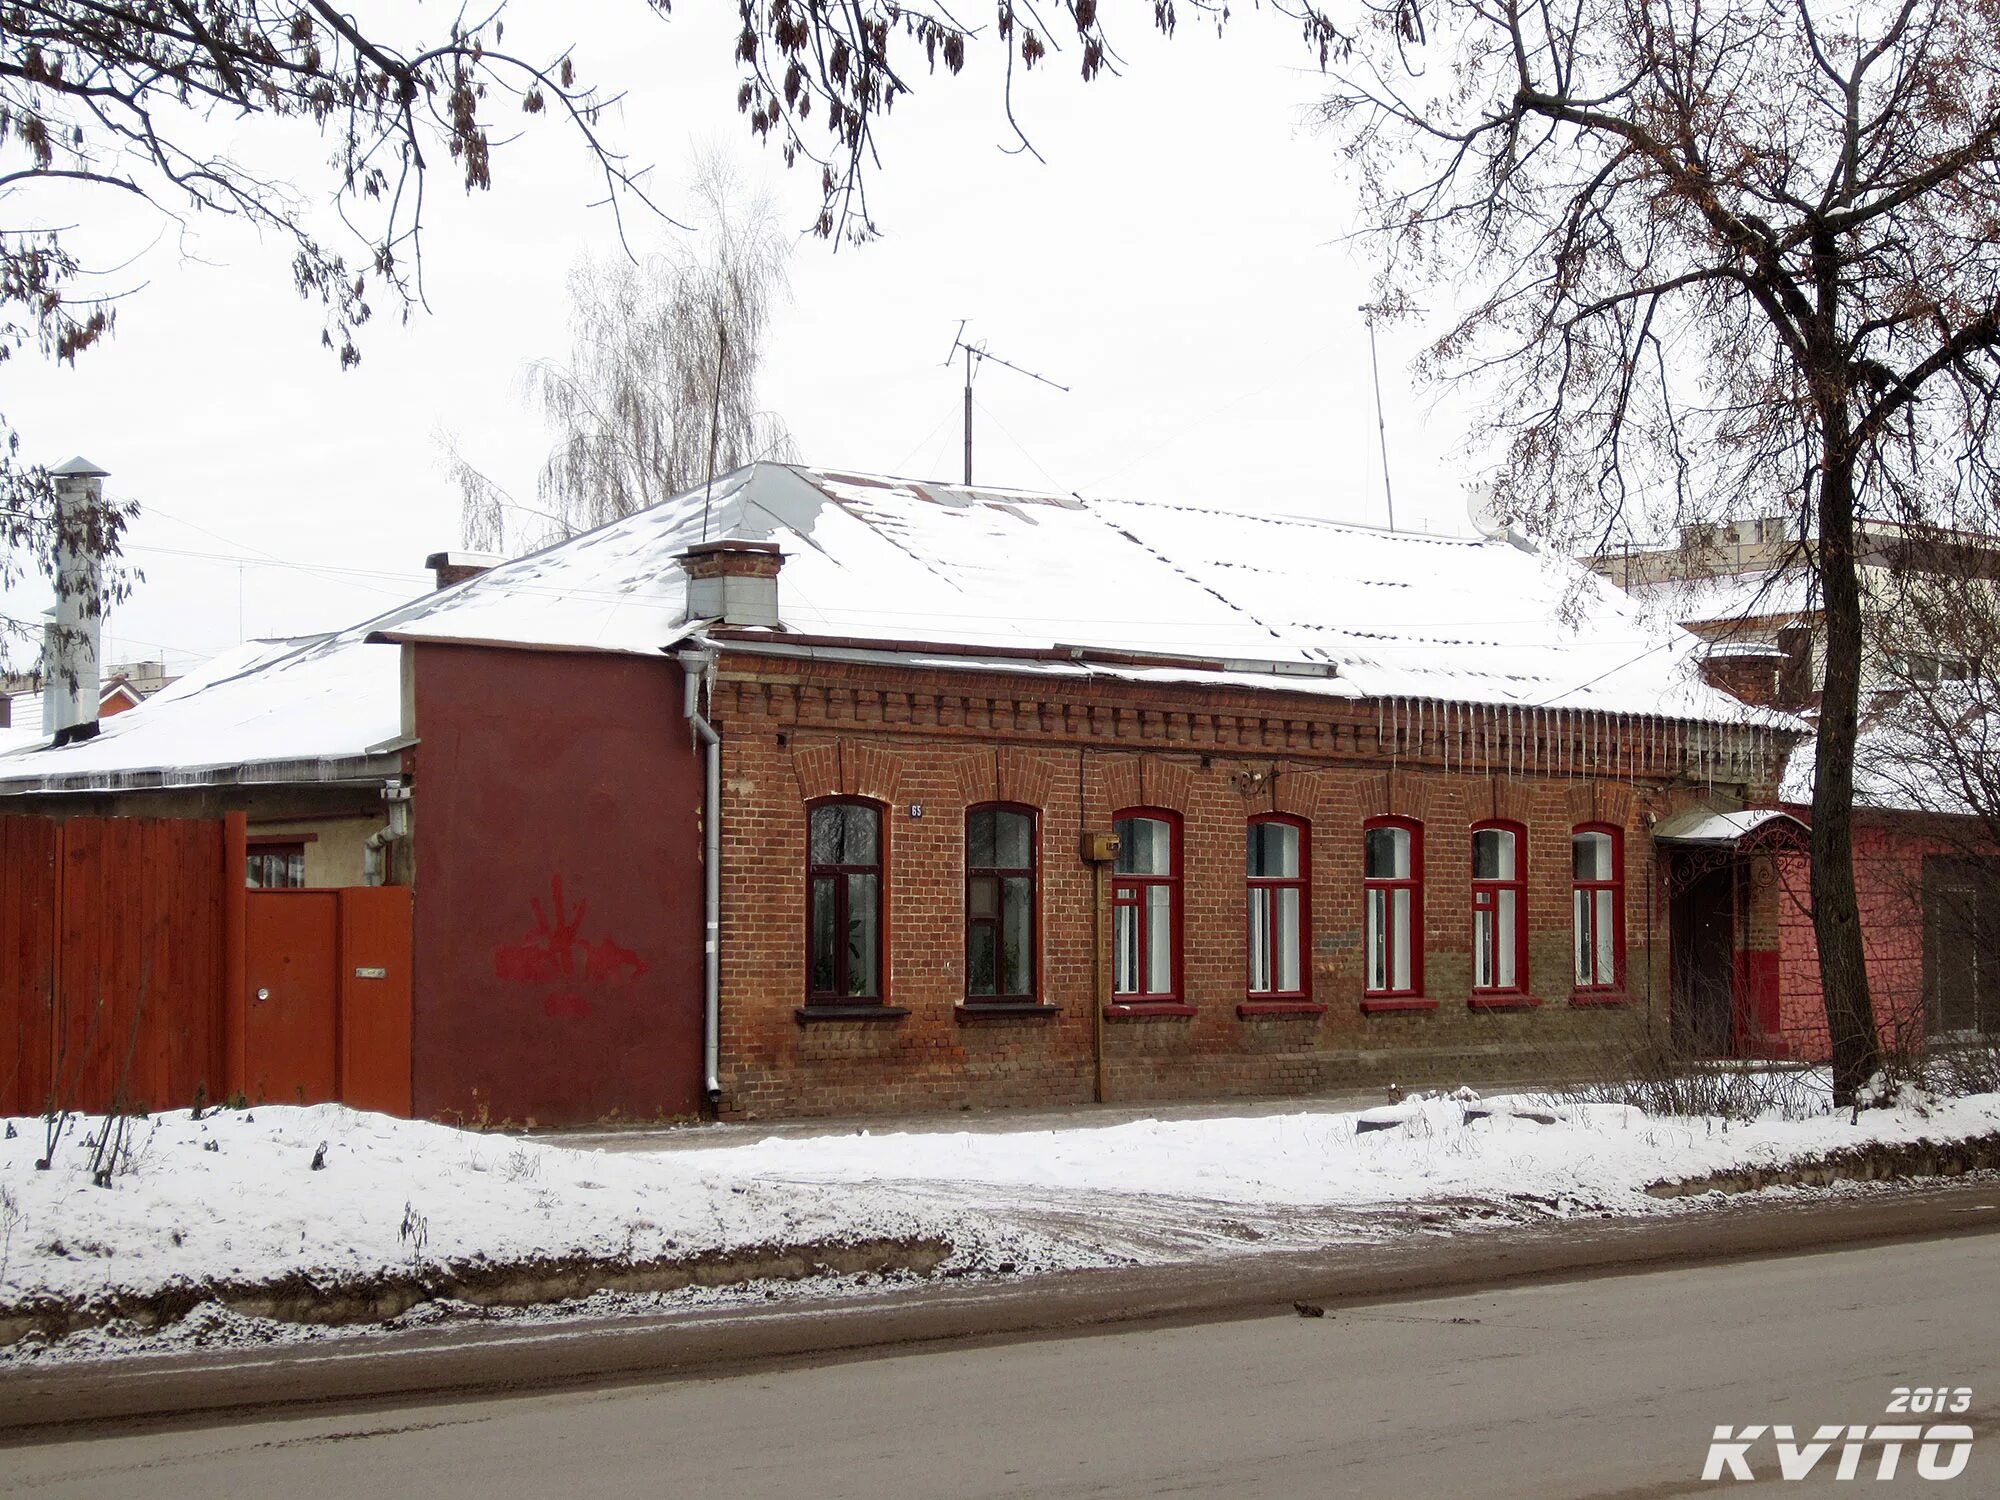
(1178, 263)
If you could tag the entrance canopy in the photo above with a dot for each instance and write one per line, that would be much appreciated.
(1748, 829)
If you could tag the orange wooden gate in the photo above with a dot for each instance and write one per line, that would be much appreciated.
(326, 999)
(131, 957)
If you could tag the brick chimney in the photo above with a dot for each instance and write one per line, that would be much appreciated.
(733, 582)
(1746, 671)
(456, 567)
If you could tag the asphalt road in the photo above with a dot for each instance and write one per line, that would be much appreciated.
(1608, 1388)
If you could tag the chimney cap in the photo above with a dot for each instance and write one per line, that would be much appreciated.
(730, 544)
(459, 558)
(80, 468)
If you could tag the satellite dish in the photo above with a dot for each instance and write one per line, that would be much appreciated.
(1492, 521)
(1484, 511)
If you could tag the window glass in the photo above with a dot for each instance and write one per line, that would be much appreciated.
(1492, 854)
(1288, 944)
(864, 934)
(979, 840)
(1595, 915)
(1160, 947)
(1388, 854)
(1391, 909)
(823, 973)
(273, 867)
(1605, 948)
(1125, 949)
(1145, 899)
(1013, 839)
(1017, 927)
(844, 902)
(845, 833)
(999, 904)
(1506, 948)
(1399, 947)
(1274, 851)
(1145, 847)
(1274, 860)
(1593, 856)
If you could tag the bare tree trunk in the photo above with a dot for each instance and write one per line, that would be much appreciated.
(1850, 1015)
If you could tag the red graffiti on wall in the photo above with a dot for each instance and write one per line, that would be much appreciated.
(555, 953)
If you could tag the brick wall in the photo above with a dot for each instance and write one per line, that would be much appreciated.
(1889, 855)
(1079, 751)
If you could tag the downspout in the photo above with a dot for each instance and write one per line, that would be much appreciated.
(695, 667)
(375, 853)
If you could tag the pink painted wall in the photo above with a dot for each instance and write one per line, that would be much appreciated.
(1889, 867)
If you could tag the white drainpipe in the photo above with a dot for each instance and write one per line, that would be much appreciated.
(695, 666)
(375, 855)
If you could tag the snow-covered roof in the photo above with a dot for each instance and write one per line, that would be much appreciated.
(1901, 763)
(1785, 595)
(1201, 593)
(1391, 614)
(294, 710)
(25, 713)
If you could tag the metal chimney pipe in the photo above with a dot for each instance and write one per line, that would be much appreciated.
(77, 642)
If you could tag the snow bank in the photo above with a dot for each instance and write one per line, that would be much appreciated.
(1603, 1154)
(234, 1200)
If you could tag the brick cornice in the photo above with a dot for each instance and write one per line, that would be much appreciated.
(1272, 726)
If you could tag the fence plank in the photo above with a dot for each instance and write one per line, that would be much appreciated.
(111, 929)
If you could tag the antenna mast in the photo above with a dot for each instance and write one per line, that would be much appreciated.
(1368, 311)
(978, 353)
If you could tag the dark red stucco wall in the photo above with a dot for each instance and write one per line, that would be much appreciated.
(558, 926)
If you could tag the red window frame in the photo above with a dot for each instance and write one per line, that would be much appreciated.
(1263, 889)
(1486, 898)
(998, 874)
(1616, 886)
(1131, 892)
(1414, 883)
(838, 995)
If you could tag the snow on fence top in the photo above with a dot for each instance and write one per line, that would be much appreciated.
(1203, 593)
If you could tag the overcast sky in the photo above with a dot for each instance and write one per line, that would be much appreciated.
(1180, 262)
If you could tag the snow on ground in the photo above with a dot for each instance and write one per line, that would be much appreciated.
(233, 1197)
(1603, 1155)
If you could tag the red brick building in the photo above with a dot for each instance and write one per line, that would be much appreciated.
(1928, 877)
(822, 793)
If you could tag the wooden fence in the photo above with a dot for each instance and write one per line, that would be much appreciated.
(113, 961)
(136, 971)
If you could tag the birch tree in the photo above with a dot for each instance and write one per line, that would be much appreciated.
(660, 387)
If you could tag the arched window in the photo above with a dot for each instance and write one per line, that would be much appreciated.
(844, 902)
(1393, 903)
(1597, 856)
(1280, 905)
(1146, 906)
(999, 904)
(1499, 907)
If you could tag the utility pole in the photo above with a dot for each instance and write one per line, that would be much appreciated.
(979, 353)
(1368, 311)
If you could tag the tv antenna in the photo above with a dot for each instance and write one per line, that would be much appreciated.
(1368, 311)
(976, 355)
